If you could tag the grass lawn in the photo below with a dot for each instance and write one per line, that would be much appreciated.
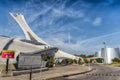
(114, 64)
(3, 66)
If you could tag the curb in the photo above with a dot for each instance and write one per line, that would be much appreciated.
(102, 74)
(70, 74)
(16, 73)
(78, 73)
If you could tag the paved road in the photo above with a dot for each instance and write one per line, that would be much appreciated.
(102, 72)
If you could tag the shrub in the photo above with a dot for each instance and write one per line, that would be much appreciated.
(116, 60)
(50, 62)
(75, 61)
(85, 60)
(63, 61)
(79, 61)
(99, 60)
(70, 61)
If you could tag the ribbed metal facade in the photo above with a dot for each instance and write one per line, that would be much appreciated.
(109, 53)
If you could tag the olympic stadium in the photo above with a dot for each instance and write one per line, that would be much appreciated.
(30, 52)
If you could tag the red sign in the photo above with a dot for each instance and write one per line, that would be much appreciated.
(7, 54)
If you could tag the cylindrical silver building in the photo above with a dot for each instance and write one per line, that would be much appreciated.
(109, 53)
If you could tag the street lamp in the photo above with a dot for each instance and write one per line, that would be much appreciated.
(105, 50)
(104, 44)
(41, 67)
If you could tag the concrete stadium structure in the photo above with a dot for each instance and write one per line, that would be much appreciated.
(30, 35)
(30, 52)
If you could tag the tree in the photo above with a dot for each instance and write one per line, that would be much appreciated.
(89, 56)
(50, 62)
(116, 60)
(79, 61)
(75, 61)
(99, 60)
(85, 60)
(70, 61)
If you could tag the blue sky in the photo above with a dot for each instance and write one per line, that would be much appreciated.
(75, 26)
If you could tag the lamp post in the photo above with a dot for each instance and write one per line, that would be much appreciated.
(105, 50)
(104, 44)
(41, 67)
(8, 54)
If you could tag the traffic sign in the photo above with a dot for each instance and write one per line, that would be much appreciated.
(8, 54)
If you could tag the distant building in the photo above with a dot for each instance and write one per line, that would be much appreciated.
(108, 54)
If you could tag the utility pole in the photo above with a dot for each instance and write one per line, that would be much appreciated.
(105, 50)
(30, 73)
(7, 63)
(41, 67)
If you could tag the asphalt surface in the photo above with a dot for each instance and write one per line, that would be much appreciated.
(101, 72)
(54, 72)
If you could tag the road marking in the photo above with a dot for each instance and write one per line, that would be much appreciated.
(101, 74)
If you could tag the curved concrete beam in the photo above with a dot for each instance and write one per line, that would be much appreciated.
(30, 35)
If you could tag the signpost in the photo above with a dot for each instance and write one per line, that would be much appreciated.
(30, 73)
(7, 54)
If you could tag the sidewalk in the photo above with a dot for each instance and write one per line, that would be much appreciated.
(52, 73)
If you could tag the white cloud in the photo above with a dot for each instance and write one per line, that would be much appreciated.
(97, 21)
(86, 20)
(84, 46)
(59, 39)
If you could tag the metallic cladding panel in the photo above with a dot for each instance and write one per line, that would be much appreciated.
(109, 53)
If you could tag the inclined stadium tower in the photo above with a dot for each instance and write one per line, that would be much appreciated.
(30, 35)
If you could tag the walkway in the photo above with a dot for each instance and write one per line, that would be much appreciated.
(51, 73)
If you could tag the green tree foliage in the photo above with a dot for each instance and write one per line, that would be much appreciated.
(79, 61)
(116, 60)
(70, 61)
(85, 60)
(99, 60)
(50, 62)
(64, 61)
(89, 56)
(75, 61)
